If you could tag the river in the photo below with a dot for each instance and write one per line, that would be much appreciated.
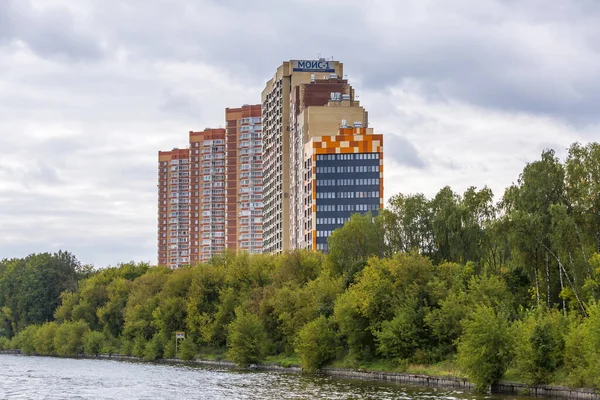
(23, 377)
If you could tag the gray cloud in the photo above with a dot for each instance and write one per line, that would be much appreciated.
(180, 103)
(402, 151)
(513, 56)
(49, 32)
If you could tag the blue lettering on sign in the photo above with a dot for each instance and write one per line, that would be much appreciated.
(313, 66)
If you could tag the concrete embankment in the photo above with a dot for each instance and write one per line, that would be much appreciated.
(508, 388)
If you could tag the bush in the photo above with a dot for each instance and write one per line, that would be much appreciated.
(399, 338)
(315, 344)
(68, 339)
(188, 349)
(139, 347)
(25, 340)
(246, 339)
(4, 343)
(112, 345)
(539, 345)
(154, 349)
(582, 351)
(93, 342)
(44, 338)
(169, 349)
(126, 347)
(484, 349)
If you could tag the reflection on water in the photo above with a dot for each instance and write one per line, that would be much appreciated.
(24, 377)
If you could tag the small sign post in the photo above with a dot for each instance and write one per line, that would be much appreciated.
(178, 335)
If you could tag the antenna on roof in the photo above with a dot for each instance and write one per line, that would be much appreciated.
(318, 56)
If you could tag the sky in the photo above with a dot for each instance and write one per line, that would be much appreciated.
(465, 92)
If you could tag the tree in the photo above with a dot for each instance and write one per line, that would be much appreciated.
(246, 339)
(93, 342)
(539, 345)
(359, 239)
(316, 344)
(484, 350)
(30, 288)
(407, 224)
(69, 338)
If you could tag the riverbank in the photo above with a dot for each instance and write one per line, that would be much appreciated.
(505, 388)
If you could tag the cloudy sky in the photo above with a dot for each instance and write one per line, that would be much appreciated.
(465, 91)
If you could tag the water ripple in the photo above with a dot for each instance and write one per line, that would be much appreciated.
(51, 378)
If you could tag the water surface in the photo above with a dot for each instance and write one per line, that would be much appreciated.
(23, 377)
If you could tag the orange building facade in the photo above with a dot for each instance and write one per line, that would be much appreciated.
(244, 179)
(344, 176)
(208, 166)
(174, 207)
(210, 195)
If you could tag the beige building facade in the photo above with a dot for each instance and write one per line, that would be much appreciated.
(277, 102)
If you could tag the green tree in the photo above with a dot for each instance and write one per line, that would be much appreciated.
(30, 288)
(44, 338)
(407, 224)
(188, 350)
(69, 338)
(400, 337)
(316, 344)
(153, 349)
(484, 349)
(25, 340)
(539, 345)
(246, 339)
(359, 239)
(93, 342)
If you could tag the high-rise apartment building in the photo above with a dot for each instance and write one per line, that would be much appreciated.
(317, 110)
(244, 179)
(208, 169)
(276, 103)
(210, 194)
(174, 207)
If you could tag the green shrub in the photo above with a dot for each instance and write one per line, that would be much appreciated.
(111, 345)
(4, 343)
(169, 349)
(539, 345)
(246, 339)
(154, 349)
(484, 349)
(93, 342)
(582, 350)
(188, 349)
(399, 338)
(69, 338)
(44, 338)
(139, 347)
(25, 340)
(126, 347)
(316, 344)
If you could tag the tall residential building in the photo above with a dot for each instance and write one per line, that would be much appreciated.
(208, 166)
(174, 207)
(317, 110)
(244, 179)
(210, 194)
(343, 175)
(276, 102)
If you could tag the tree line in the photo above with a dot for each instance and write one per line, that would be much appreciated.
(488, 286)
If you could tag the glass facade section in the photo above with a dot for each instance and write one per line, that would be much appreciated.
(346, 184)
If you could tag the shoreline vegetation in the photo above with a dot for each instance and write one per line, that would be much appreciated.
(456, 285)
